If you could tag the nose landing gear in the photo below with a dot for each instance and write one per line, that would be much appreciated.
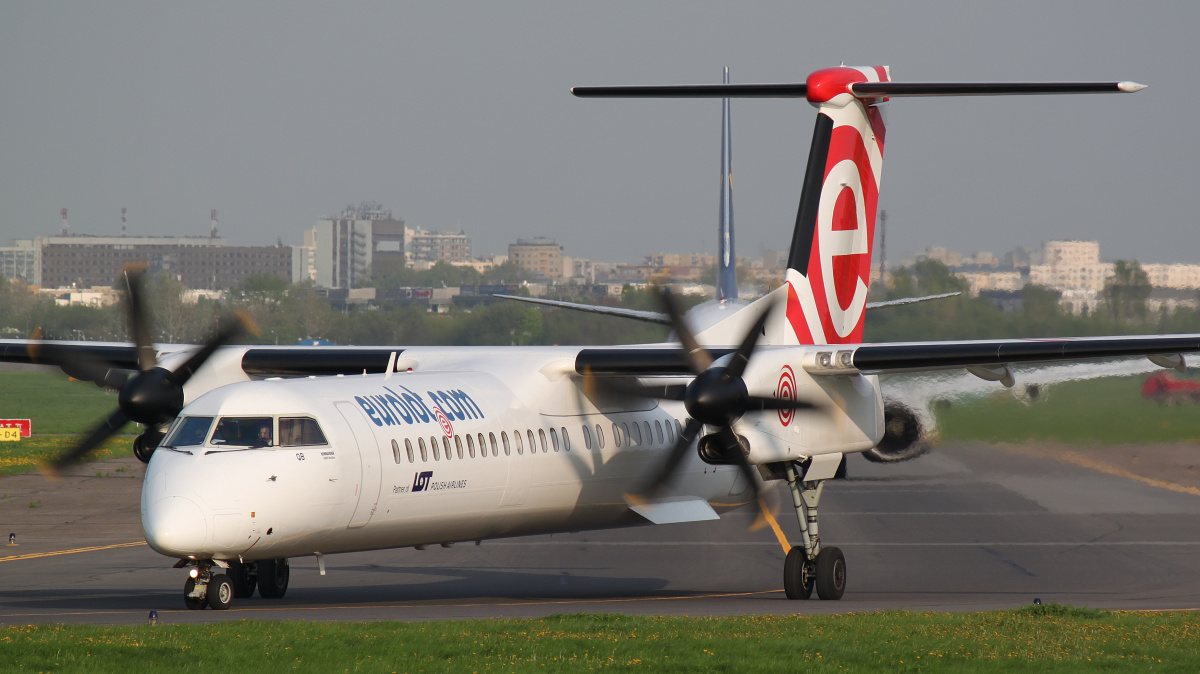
(216, 583)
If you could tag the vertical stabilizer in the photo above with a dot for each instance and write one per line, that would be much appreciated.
(829, 265)
(726, 256)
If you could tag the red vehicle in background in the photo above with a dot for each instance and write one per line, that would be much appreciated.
(1164, 389)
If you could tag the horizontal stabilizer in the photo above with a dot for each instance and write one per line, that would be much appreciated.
(860, 89)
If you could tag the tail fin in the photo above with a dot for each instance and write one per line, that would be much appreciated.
(829, 265)
(726, 256)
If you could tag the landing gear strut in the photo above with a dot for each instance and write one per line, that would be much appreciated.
(808, 565)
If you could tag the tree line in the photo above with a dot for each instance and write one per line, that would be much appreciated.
(286, 313)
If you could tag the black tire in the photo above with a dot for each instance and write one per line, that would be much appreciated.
(141, 451)
(193, 603)
(831, 574)
(220, 592)
(244, 577)
(798, 577)
(273, 577)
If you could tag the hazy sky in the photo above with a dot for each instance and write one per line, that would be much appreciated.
(458, 116)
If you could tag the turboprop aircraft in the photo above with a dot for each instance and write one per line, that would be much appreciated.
(271, 453)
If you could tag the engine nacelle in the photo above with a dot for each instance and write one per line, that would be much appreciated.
(903, 435)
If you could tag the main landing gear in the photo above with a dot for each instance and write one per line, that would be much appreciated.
(216, 584)
(809, 565)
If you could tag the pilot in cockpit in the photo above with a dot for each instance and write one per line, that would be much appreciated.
(263, 438)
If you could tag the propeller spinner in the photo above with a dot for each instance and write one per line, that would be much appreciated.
(716, 397)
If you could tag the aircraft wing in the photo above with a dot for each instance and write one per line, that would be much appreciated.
(647, 316)
(981, 357)
(256, 360)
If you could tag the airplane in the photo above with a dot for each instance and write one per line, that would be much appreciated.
(261, 454)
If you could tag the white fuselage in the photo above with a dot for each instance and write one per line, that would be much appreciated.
(374, 480)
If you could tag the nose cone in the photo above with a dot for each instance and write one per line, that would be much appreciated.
(175, 526)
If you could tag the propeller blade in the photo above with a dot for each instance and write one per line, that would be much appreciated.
(99, 434)
(78, 364)
(766, 403)
(697, 356)
(241, 324)
(678, 452)
(740, 357)
(135, 311)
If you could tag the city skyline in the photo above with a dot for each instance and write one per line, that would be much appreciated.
(461, 119)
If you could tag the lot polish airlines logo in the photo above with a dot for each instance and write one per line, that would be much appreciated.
(392, 408)
(421, 481)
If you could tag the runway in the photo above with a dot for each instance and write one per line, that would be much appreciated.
(965, 528)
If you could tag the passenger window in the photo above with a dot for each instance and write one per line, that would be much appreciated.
(670, 432)
(244, 432)
(421, 444)
(517, 442)
(599, 437)
(458, 446)
(408, 449)
(637, 435)
(616, 435)
(658, 427)
(492, 441)
(542, 437)
(504, 439)
(470, 445)
(554, 438)
(396, 451)
(433, 445)
(587, 437)
(566, 439)
(300, 432)
(446, 445)
(532, 444)
(649, 433)
(190, 432)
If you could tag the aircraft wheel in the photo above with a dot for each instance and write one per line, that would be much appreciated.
(831, 574)
(194, 603)
(273, 577)
(798, 577)
(244, 577)
(220, 592)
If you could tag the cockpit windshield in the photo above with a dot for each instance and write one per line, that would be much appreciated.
(244, 432)
(189, 432)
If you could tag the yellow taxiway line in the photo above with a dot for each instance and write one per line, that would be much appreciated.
(52, 553)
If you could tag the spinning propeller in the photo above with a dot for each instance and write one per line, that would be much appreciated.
(716, 397)
(152, 395)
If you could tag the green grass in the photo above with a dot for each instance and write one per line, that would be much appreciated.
(1109, 411)
(60, 410)
(1030, 639)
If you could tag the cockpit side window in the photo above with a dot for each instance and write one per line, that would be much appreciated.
(300, 432)
(189, 432)
(244, 432)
